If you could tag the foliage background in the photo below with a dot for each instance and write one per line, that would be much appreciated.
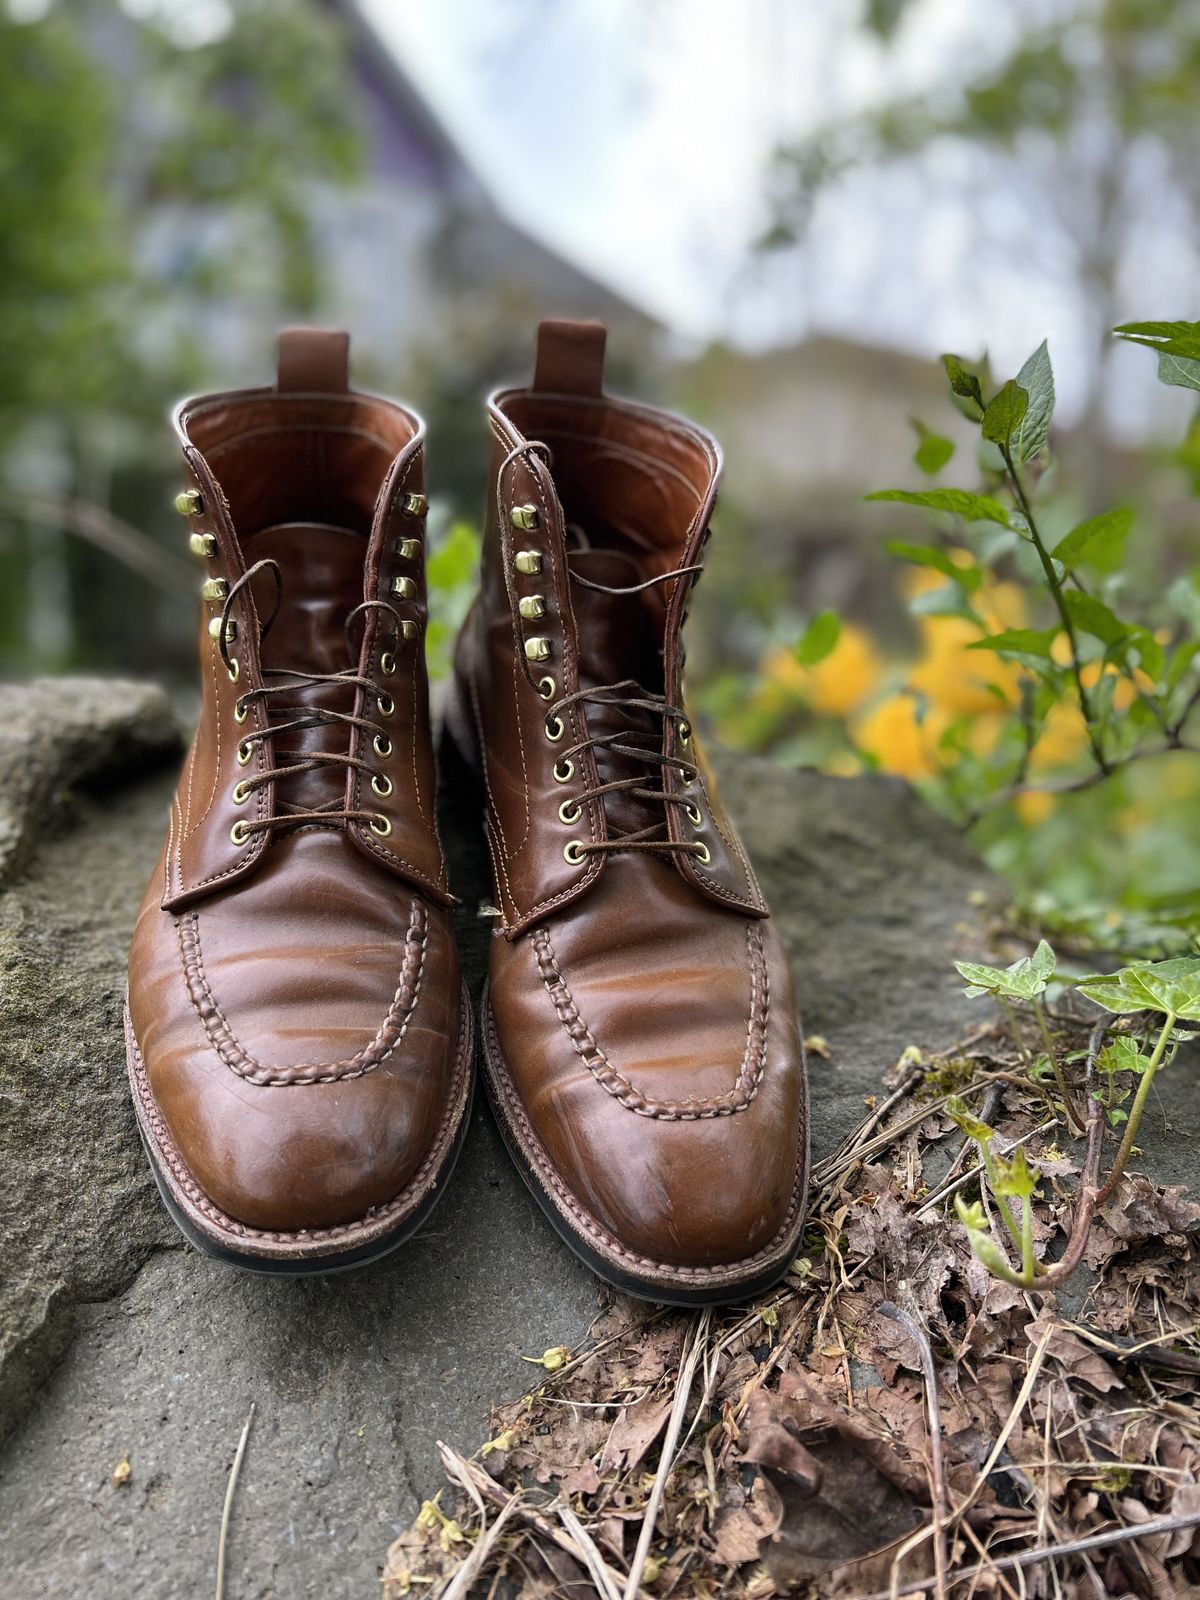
(170, 172)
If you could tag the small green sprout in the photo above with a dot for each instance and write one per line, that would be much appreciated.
(1007, 1179)
(1026, 982)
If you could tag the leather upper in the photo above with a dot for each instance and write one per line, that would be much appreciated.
(640, 1001)
(294, 991)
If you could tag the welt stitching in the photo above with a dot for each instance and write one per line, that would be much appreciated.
(547, 1174)
(615, 1083)
(239, 1060)
(377, 1220)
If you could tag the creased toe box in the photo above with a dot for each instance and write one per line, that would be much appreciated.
(301, 1054)
(668, 1098)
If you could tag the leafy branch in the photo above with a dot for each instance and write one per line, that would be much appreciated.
(1166, 990)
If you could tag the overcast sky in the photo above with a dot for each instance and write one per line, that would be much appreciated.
(634, 136)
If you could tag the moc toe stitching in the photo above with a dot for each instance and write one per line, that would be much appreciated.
(615, 1083)
(224, 1041)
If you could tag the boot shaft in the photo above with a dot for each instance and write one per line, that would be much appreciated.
(306, 507)
(597, 516)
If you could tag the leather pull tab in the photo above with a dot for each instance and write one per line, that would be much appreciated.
(570, 358)
(313, 361)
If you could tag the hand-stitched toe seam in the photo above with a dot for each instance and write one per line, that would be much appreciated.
(228, 1047)
(615, 1083)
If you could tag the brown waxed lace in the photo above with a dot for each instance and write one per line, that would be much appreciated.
(651, 838)
(612, 694)
(301, 717)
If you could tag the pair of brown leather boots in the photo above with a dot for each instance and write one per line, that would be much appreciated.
(299, 1036)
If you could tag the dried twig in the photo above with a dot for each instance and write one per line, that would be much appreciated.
(937, 1469)
(234, 1470)
(687, 1371)
(1054, 1552)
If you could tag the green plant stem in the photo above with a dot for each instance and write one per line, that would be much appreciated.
(1028, 1264)
(1056, 591)
(1076, 1122)
(1011, 1016)
(1135, 1111)
(1002, 1205)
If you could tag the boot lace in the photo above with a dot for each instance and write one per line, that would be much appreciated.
(283, 718)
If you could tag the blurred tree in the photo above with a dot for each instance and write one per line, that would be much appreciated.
(1093, 112)
(158, 182)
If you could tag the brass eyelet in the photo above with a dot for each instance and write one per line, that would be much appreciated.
(547, 688)
(241, 711)
(555, 728)
(381, 825)
(240, 832)
(387, 663)
(245, 755)
(386, 705)
(573, 853)
(233, 669)
(381, 744)
(693, 815)
(241, 793)
(563, 770)
(702, 854)
(685, 734)
(382, 785)
(569, 812)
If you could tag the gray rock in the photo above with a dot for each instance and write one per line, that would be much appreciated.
(353, 1377)
(58, 732)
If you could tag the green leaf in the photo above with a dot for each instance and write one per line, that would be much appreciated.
(1170, 338)
(1100, 539)
(1006, 413)
(933, 451)
(1178, 373)
(819, 639)
(1163, 986)
(1024, 980)
(971, 507)
(956, 1109)
(1020, 643)
(1013, 1178)
(963, 381)
(1036, 377)
(928, 555)
(1121, 1054)
(1092, 616)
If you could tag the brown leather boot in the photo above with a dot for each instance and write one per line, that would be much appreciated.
(298, 1035)
(640, 1038)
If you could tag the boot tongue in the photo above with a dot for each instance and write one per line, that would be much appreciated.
(620, 637)
(322, 571)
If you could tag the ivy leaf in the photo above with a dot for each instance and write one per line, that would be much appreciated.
(1093, 616)
(1099, 539)
(1121, 1054)
(1024, 980)
(819, 639)
(963, 381)
(1005, 413)
(933, 451)
(1163, 986)
(928, 555)
(1036, 377)
(961, 503)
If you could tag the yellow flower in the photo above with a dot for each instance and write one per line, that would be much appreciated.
(899, 739)
(1034, 807)
(1063, 739)
(834, 686)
